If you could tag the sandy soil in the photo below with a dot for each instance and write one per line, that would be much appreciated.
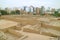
(31, 21)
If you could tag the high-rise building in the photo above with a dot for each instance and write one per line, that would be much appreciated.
(34, 10)
(37, 10)
(48, 9)
(25, 8)
(8, 10)
(53, 10)
(42, 10)
(31, 9)
(58, 10)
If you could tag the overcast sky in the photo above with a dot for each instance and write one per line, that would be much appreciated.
(35, 3)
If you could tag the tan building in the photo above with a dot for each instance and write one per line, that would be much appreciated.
(52, 10)
(8, 10)
(37, 11)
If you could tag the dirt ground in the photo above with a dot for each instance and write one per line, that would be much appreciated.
(29, 20)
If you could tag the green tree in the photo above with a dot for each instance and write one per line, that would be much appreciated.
(57, 14)
(13, 12)
(3, 12)
(17, 11)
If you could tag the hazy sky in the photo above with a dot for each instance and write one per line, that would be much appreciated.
(36, 3)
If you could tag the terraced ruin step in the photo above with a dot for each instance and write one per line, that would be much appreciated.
(50, 32)
(31, 29)
(52, 25)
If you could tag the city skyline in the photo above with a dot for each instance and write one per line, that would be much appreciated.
(35, 3)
